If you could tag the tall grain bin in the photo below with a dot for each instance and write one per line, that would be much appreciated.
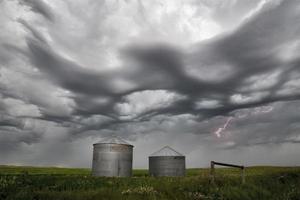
(113, 158)
(166, 162)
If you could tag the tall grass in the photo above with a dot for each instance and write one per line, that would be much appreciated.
(31, 183)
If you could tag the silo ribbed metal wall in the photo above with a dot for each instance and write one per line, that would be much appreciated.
(112, 160)
(167, 165)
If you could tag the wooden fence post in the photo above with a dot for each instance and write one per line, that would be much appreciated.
(243, 175)
(212, 172)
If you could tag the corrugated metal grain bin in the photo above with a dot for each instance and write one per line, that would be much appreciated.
(166, 162)
(112, 158)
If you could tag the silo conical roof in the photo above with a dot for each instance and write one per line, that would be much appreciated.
(166, 151)
(113, 140)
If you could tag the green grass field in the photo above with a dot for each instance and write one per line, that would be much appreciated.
(26, 183)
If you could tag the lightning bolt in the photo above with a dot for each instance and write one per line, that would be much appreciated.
(265, 109)
(221, 129)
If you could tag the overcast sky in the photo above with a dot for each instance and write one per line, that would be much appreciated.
(214, 79)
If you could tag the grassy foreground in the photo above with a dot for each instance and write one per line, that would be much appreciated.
(26, 183)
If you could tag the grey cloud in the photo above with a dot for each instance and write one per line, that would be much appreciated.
(15, 132)
(227, 12)
(163, 67)
(39, 7)
(6, 121)
(33, 31)
(66, 73)
(210, 81)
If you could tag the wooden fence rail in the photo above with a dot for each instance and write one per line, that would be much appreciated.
(212, 170)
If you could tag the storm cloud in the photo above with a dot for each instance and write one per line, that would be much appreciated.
(74, 72)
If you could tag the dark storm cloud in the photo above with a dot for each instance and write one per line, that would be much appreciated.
(39, 7)
(10, 122)
(67, 73)
(86, 86)
(33, 31)
(53, 78)
(15, 132)
(249, 50)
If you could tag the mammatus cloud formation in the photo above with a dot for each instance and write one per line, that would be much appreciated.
(215, 79)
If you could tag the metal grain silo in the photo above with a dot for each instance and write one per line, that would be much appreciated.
(166, 162)
(113, 158)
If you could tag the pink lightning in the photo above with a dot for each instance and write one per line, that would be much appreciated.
(265, 109)
(220, 130)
